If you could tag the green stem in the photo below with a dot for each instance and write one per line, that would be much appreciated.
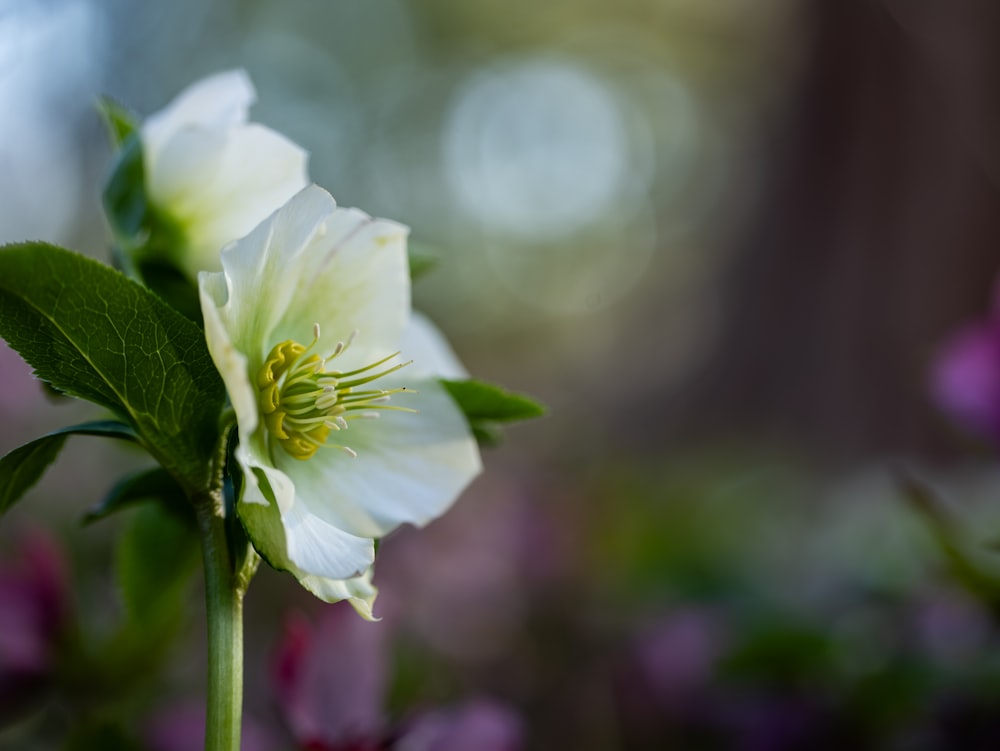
(224, 604)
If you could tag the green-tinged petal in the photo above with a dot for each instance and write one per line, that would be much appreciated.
(232, 365)
(410, 467)
(288, 538)
(216, 186)
(359, 591)
(210, 175)
(315, 263)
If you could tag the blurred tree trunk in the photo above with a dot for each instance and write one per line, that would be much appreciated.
(878, 232)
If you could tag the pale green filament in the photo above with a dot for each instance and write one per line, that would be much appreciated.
(302, 402)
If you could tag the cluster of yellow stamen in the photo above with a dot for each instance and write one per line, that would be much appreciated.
(302, 402)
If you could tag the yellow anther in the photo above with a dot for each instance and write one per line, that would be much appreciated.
(301, 402)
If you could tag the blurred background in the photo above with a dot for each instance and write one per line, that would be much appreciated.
(723, 241)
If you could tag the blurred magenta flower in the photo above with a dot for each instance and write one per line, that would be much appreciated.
(34, 613)
(479, 724)
(458, 584)
(966, 378)
(330, 680)
(676, 657)
(331, 677)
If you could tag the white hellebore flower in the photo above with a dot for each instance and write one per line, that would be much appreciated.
(210, 175)
(342, 439)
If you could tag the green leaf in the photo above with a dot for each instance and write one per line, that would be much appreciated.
(156, 557)
(486, 404)
(94, 334)
(24, 466)
(485, 401)
(125, 195)
(149, 485)
(120, 122)
(422, 261)
(926, 501)
(486, 435)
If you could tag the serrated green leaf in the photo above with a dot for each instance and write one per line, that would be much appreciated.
(481, 401)
(96, 335)
(23, 467)
(156, 556)
(149, 485)
(422, 260)
(120, 122)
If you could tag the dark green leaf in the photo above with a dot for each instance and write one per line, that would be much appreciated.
(422, 261)
(149, 485)
(156, 557)
(119, 121)
(481, 401)
(486, 435)
(96, 335)
(22, 467)
(125, 195)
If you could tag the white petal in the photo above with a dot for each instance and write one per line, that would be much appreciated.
(220, 101)
(315, 263)
(409, 467)
(289, 537)
(424, 343)
(318, 548)
(355, 278)
(218, 185)
(231, 364)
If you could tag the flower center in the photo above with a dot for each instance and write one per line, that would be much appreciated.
(302, 402)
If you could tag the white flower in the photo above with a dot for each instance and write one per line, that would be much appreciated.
(341, 439)
(211, 176)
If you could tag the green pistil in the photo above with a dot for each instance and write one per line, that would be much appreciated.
(302, 402)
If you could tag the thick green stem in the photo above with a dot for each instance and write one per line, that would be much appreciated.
(224, 600)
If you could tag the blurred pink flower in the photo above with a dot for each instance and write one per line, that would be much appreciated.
(330, 680)
(34, 612)
(458, 583)
(677, 656)
(966, 378)
(480, 724)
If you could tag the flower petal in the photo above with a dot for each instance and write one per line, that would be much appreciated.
(410, 467)
(315, 263)
(218, 185)
(232, 365)
(219, 101)
(424, 343)
(359, 591)
(289, 538)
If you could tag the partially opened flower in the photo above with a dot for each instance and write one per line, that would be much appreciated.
(341, 440)
(211, 176)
